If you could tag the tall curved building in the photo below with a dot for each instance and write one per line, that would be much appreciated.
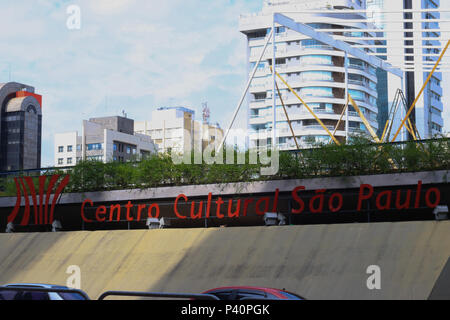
(20, 127)
(314, 70)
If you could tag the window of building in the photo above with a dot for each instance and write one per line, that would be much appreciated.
(316, 60)
(95, 146)
(95, 158)
(69, 160)
(316, 76)
(60, 149)
(60, 161)
(79, 147)
(436, 127)
(69, 148)
(317, 91)
(128, 150)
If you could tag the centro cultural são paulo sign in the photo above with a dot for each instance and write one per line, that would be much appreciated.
(211, 206)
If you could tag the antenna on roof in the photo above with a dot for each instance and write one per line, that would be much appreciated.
(206, 112)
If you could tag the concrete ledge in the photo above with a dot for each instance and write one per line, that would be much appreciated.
(336, 183)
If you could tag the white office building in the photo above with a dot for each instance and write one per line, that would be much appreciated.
(102, 139)
(422, 53)
(314, 70)
(174, 129)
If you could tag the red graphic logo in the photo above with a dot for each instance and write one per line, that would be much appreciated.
(41, 214)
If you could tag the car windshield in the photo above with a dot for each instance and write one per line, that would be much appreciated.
(23, 295)
(71, 296)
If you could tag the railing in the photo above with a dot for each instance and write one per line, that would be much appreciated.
(359, 159)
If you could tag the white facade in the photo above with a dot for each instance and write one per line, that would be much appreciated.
(429, 108)
(67, 149)
(176, 130)
(314, 70)
(100, 144)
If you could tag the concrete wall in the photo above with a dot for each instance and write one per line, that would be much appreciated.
(318, 262)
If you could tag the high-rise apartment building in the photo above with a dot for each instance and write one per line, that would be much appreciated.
(103, 139)
(428, 111)
(174, 129)
(314, 70)
(20, 127)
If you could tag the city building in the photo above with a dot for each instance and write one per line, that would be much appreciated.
(102, 139)
(20, 127)
(421, 54)
(314, 70)
(174, 129)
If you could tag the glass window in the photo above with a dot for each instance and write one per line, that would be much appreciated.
(316, 76)
(69, 160)
(95, 158)
(311, 43)
(94, 146)
(316, 59)
(357, 95)
(60, 149)
(317, 91)
(60, 161)
(69, 148)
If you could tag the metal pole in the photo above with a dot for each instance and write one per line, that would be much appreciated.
(274, 97)
(403, 79)
(287, 118)
(346, 97)
(245, 91)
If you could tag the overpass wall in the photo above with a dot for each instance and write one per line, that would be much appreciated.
(316, 261)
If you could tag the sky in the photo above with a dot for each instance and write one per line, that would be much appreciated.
(128, 55)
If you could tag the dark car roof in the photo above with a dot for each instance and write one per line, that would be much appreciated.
(276, 292)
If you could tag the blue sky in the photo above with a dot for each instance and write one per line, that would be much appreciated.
(130, 55)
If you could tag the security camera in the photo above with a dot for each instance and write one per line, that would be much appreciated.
(441, 212)
(271, 219)
(56, 226)
(164, 223)
(153, 223)
(10, 228)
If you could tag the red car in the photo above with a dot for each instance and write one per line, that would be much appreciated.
(252, 293)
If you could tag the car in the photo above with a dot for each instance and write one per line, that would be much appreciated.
(38, 291)
(252, 293)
